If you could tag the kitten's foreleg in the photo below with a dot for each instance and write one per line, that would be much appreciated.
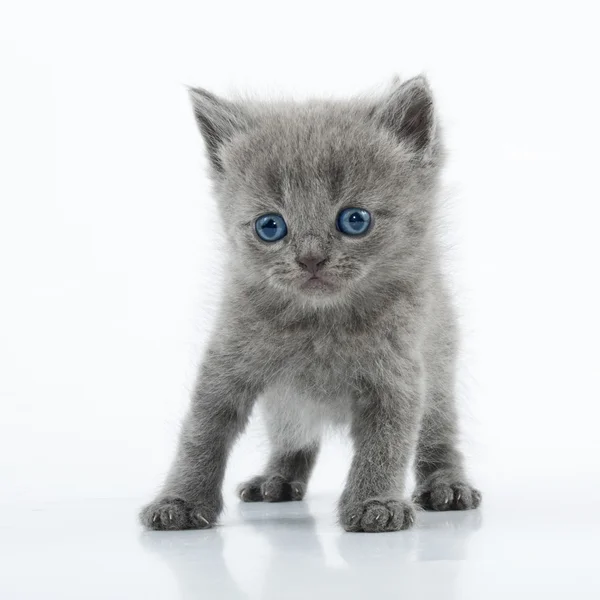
(386, 416)
(191, 497)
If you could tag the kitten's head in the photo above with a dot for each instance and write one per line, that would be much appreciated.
(321, 200)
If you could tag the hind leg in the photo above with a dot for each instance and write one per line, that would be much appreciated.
(294, 432)
(442, 483)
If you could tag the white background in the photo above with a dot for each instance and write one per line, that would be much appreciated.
(110, 245)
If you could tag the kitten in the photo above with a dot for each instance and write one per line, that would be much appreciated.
(334, 311)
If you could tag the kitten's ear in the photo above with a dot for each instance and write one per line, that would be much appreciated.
(408, 112)
(219, 120)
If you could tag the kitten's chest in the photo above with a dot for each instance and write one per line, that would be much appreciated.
(323, 364)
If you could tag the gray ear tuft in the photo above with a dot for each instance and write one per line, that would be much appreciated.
(219, 120)
(409, 113)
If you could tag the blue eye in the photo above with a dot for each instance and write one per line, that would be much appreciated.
(354, 221)
(271, 228)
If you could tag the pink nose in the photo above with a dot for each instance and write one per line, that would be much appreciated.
(311, 263)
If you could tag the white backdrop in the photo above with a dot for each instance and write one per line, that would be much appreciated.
(109, 248)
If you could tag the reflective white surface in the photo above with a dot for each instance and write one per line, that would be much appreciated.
(533, 542)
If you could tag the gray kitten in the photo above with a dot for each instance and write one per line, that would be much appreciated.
(334, 310)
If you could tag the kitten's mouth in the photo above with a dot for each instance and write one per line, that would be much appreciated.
(315, 283)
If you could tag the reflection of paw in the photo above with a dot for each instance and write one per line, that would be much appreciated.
(171, 513)
(377, 515)
(271, 489)
(447, 496)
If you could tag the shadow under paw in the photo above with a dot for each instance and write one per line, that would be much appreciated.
(377, 515)
(271, 489)
(172, 513)
(448, 496)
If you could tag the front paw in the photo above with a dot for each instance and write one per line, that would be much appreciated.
(441, 495)
(173, 513)
(377, 515)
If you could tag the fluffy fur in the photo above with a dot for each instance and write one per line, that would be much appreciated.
(370, 343)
